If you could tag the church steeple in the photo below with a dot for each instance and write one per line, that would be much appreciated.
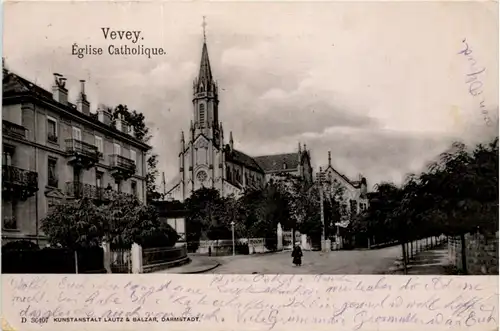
(205, 83)
(205, 96)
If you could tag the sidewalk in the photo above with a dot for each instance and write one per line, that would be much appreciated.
(197, 265)
(203, 263)
(433, 261)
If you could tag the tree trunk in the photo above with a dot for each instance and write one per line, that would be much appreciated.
(403, 246)
(411, 249)
(464, 252)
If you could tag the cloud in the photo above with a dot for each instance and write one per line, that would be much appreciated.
(384, 98)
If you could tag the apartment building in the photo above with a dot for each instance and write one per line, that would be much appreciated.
(55, 150)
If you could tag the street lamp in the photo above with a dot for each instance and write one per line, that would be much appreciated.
(232, 230)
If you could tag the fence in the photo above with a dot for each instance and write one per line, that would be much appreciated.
(53, 261)
(121, 261)
(481, 253)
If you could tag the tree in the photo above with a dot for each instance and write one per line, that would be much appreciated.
(82, 224)
(142, 132)
(456, 195)
(202, 208)
(75, 224)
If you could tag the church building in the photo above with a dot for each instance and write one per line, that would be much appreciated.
(206, 160)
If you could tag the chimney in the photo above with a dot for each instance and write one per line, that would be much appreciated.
(82, 103)
(124, 126)
(103, 115)
(131, 130)
(118, 122)
(59, 91)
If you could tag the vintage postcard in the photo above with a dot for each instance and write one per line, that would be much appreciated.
(250, 165)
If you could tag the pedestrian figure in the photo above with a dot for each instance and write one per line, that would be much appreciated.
(209, 250)
(297, 255)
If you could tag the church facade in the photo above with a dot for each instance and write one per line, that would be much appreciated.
(206, 160)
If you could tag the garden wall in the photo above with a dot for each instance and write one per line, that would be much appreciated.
(481, 253)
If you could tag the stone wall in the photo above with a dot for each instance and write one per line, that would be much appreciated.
(481, 253)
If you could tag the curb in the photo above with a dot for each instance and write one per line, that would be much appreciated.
(200, 271)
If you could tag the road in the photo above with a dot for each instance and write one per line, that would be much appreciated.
(337, 262)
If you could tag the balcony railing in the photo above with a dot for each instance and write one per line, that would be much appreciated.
(74, 146)
(19, 182)
(13, 129)
(81, 190)
(121, 162)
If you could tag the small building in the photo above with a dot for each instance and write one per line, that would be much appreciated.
(173, 213)
(354, 198)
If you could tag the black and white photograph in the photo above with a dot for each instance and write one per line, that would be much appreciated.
(341, 138)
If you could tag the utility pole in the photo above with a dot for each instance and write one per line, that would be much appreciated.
(322, 210)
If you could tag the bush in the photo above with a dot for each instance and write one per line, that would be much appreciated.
(20, 245)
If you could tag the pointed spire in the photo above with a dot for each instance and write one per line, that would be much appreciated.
(231, 142)
(329, 158)
(205, 73)
(182, 136)
(300, 148)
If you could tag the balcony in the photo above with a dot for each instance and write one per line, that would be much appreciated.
(13, 130)
(18, 184)
(79, 190)
(81, 154)
(122, 168)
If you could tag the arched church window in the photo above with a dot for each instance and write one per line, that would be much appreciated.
(202, 115)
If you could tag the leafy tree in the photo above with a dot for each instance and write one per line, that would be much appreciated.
(74, 224)
(202, 206)
(123, 221)
(456, 195)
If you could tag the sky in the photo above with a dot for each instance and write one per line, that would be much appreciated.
(382, 85)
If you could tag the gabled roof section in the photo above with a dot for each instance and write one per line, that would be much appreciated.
(13, 84)
(241, 158)
(279, 162)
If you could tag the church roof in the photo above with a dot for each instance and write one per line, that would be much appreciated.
(242, 158)
(272, 163)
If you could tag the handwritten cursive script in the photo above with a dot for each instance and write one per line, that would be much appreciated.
(473, 80)
(252, 302)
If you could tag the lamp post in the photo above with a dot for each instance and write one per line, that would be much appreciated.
(232, 230)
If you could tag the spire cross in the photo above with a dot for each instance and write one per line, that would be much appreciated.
(204, 25)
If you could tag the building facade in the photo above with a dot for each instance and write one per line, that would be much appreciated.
(206, 160)
(54, 150)
(353, 193)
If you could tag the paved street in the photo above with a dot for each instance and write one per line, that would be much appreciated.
(337, 262)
